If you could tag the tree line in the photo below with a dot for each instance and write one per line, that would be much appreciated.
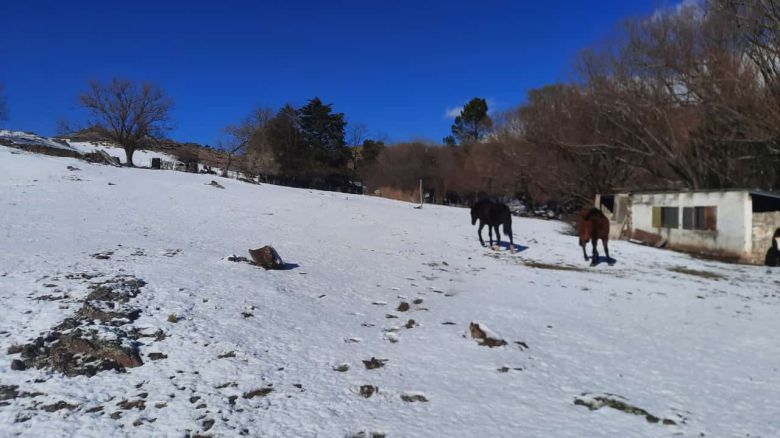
(687, 98)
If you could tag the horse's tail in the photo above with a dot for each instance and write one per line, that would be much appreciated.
(508, 223)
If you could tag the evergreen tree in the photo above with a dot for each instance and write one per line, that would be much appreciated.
(322, 132)
(473, 123)
(371, 150)
(284, 137)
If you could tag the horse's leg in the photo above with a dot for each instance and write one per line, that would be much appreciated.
(498, 236)
(595, 259)
(583, 244)
(606, 251)
(479, 233)
(511, 240)
(490, 235)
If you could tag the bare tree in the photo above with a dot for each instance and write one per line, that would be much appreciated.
(129, 113)
(243, 136)
(356, 134)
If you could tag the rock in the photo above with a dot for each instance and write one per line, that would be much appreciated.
(410, 324)
(215, 184)
(267, 258)
(403, 307)
(374, 363)
(368, 390)
(413, 397)
(157, 356)
(484, 336)
(342, 368)
(18, 365)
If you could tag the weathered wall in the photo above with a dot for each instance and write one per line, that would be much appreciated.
(764, 226)
(732, 237)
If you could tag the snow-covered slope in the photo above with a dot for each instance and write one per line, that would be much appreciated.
(141, 158)
(606, 351)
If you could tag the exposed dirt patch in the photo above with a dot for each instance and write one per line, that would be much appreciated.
(78, 346)
(262, 392)
(695, 272)
(10, 392)
(613, 401)
(54, 407)
(540, 265)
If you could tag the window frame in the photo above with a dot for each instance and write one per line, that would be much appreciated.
(700, 218)
(666, 217)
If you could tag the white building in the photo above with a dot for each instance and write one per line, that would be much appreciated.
(733, 224)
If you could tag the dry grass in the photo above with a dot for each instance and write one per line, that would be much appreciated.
(400, 195)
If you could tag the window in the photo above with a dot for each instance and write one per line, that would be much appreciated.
(666, 217)
(700, 218)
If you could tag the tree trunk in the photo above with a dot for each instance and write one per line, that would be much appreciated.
(227, 165)
(129, 154)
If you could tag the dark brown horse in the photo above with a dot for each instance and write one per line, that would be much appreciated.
(772, 257)
(592, 225)
(493, 214)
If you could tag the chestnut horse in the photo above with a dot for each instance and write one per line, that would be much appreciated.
(592, 225)
(493, 214)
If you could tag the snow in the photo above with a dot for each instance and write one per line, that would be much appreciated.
(141, 158)
(27, 138)
(680, 344)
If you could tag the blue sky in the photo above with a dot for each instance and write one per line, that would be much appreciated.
(396, 66)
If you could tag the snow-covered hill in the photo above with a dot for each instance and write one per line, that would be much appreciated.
(658, 345)
(141, 158)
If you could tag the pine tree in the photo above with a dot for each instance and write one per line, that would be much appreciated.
(473, 123)
(322, 132)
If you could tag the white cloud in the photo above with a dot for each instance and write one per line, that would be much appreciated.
(452, 112)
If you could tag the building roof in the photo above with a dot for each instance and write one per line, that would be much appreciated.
(752, 192)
